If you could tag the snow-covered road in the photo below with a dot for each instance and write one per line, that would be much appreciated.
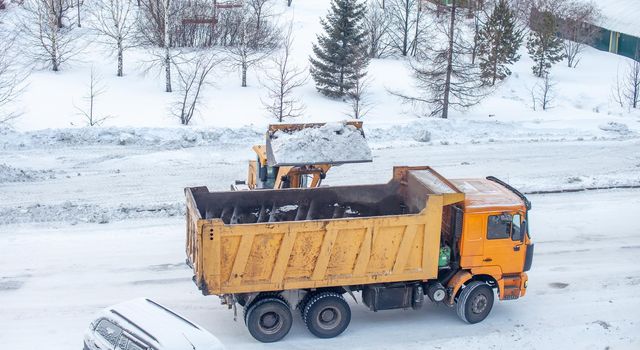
(582, 292)
(108, 183)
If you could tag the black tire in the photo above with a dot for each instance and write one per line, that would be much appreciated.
(475, 302)
(269, 319)
(261, 296)
(303, 302)
(327, 315)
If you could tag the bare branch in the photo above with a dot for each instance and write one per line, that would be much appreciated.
(192, 79)
(283, 79)
(96, 88)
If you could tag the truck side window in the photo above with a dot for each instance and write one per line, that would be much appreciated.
(498, 228)
(515, 228)
(109, 331)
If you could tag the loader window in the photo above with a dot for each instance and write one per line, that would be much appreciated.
(270, 179)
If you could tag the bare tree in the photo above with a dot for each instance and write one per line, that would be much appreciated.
(404, 21)
(576, 27)
(444, 75)
(192, 79)
(282, 81)
(627, 89)
(49, 42)
(96, 88)
(377, 24)
(156, 19)
(113, 21)
(11, 78)
(2, 5)
(358, 98)
(543, 93)
(59, 10)
(253, 44)
(259, 9)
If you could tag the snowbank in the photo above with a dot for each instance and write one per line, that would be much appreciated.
(420, 131)
(167, 138)
(75, 213)
(11, 174)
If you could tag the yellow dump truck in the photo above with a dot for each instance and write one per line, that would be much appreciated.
(419, 237)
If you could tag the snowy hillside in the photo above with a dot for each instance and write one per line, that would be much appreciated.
(583, 95)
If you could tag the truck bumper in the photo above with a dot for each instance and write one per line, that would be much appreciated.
(524, 278)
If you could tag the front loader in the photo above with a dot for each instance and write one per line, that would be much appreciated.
(300, 155)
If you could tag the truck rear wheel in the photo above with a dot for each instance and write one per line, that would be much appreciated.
(475, 302)
(269, 319)
(327, 315)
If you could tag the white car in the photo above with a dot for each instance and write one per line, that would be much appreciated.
(143, 324)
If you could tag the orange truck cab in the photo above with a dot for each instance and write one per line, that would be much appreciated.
(493, 241)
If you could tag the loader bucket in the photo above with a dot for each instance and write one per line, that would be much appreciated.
(317, 143)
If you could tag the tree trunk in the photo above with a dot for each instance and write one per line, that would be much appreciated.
(55, 62)
(167, 53)
(244, 74)
(447, 83)
(167, 67)
(78, 5)
(120, 64)
(405, 39)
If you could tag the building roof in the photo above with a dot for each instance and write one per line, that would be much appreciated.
(621, 16)
(484, 195)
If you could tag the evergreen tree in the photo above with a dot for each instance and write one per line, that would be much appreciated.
(341, 53)
(498, 45)
(544, 45)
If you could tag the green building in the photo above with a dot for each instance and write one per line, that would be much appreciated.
(619, 27)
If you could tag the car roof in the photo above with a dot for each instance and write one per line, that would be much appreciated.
(483, 195)
(164, 328)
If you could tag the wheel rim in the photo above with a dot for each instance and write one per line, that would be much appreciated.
(270, 322)
(479, 304)
(329, 318)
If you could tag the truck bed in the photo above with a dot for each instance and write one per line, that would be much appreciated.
(264, 240)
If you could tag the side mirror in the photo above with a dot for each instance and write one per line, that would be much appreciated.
(523, 230)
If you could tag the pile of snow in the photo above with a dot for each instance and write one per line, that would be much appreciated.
(11, 174)
(615, 127)
(167, 138)
(74, 213)
(331, 143)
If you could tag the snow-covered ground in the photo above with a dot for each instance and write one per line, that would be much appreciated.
(582, 292)
(93, 216)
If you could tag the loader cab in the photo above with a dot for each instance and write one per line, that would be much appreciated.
(495, 239)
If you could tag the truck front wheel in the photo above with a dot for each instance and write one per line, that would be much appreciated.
(327, 315)
(269, 319)
(475, 302)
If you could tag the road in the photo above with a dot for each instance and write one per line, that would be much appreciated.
(106, 178)
(583, 290)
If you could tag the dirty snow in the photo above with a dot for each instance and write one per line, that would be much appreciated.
(327, 144)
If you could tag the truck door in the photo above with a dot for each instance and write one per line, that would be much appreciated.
(503, 245)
